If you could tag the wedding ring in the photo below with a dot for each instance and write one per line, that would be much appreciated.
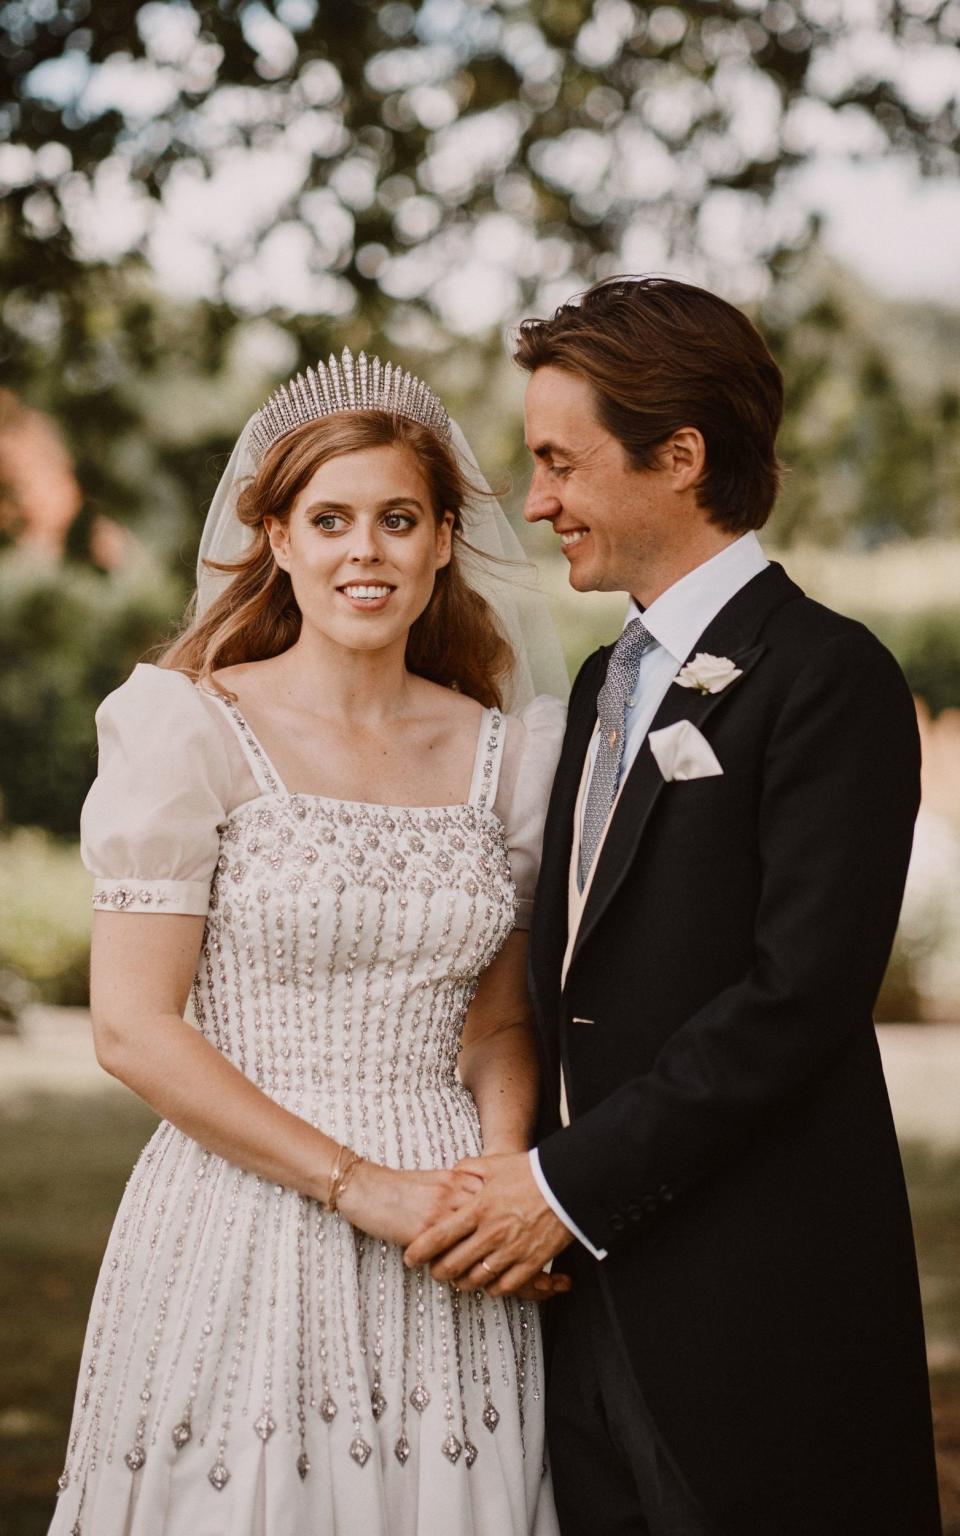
(486, 1266)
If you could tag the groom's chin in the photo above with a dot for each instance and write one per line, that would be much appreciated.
(587, 580)
(582, 579)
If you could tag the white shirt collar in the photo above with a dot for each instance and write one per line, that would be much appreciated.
(679, 616)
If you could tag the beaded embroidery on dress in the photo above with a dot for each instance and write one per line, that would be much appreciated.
(253, 1363)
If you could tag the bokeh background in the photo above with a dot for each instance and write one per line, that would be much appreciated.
(199, 198)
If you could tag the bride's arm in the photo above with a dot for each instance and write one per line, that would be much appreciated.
(141, 970)
(498, 1057)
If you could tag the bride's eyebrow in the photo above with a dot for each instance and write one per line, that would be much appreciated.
(392, 503)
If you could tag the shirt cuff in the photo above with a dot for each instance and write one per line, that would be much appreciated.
(557, 1208)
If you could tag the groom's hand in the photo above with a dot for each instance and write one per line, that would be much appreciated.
(501, 1239)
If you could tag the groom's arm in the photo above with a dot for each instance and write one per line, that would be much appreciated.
(839, 797)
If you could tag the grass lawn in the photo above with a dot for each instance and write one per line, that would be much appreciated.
(63, 1162)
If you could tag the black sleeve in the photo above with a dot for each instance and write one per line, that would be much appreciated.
(839, 797)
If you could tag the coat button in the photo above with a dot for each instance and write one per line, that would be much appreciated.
(634, 1212)
(665, 1193)
(617, 1222)
(649, 1202)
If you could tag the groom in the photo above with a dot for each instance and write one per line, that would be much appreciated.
(741, 1352)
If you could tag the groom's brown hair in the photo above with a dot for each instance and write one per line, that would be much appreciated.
(660, 355)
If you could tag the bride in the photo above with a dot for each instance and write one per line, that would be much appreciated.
(313, 821)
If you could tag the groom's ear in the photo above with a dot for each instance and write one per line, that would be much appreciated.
(684, 457)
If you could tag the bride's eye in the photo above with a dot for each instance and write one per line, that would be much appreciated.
(327, 522)
(397, 522)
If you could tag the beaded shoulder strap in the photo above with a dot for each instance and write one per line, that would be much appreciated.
(486, 768)
(267, 779)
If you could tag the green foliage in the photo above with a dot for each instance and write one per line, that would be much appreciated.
(870, 438)
(44, 917)
(68, 636)
(927, 646)
(539, 145)
(599, 119)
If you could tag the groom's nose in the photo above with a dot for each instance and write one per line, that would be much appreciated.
(542, 500)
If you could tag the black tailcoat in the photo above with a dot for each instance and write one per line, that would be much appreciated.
(731, 1143)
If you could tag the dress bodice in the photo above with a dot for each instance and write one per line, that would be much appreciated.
(344, 941)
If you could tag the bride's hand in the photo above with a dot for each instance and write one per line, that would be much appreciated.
(396, 1204)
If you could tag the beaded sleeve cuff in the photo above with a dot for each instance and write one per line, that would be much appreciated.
(189, 897)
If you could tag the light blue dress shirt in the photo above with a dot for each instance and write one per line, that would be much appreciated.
(676, 620)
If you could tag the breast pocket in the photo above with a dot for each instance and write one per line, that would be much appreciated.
(715, 813)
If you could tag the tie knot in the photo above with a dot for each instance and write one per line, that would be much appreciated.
(622, 670)
(632, 643)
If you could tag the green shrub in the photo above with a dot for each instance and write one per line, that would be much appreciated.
(927, 646)
(68, 636)
(44, 918)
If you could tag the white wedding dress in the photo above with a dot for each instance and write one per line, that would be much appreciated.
(254, 1366)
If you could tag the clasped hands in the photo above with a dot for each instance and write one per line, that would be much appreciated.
(498, 1239)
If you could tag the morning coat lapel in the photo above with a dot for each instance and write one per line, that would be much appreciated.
(732, 633)
(548, 928)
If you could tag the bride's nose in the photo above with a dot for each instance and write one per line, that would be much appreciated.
(364, 544)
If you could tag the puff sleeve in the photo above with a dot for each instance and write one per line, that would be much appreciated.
(149, 826)
(531, 752)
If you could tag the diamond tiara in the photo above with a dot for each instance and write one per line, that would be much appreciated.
(359, 384)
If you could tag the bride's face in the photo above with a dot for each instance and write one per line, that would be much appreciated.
(362, 546)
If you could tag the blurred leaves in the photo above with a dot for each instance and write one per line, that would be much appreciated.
(399, 175)
(68, 636)
(44, 918)
(610, 130)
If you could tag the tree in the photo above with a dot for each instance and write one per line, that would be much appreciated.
(373, 167)
(417, 146)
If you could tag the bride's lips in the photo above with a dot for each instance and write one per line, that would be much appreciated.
(367, 596)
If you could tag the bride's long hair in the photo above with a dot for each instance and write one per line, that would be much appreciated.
(455, 642)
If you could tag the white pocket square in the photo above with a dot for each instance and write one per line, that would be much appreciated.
(682, 753)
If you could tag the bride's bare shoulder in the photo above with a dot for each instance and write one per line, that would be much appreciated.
(453, 709)
(243, 677)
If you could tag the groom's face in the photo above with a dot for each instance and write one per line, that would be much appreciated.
(612, 520)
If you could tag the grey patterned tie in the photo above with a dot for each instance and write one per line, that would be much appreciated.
(621, 679)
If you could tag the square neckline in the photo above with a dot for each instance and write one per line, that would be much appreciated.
(480, 797)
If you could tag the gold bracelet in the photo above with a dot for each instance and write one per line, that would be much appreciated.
(347, 1174)
(334, 1176)
(339, 1176)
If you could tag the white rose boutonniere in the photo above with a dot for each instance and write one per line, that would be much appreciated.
(708, 674)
